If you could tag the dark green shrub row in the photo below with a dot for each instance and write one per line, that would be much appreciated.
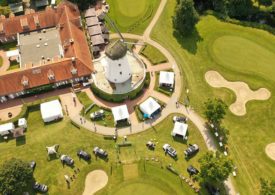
(121, 97)
(28, 107)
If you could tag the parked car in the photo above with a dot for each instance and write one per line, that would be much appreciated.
(97, 115)
(150, 145)
(32, 165)
(100, 152)
(42, 188)
(65, 159)
(181, 119)
(191, 150)
(84, 155)
(192, 170)
(171, 151)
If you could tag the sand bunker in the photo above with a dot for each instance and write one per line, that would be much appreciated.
(270, 151)
(95, 181)
(241, 89)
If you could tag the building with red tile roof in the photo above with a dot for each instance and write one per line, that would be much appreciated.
(73, 64)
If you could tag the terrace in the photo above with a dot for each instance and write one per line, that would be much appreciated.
(38, 47)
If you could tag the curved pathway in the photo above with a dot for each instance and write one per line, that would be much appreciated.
(171, 103)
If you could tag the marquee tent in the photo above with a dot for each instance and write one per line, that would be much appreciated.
(51, 111)
(52, 149)
(180, 129)
(120, 113)
(150, 107)
(166, 79)
(6, 129)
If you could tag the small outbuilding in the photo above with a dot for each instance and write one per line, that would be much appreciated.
(121, 114)
(51, 111)
(150, 107)
(6, 129)
(166, 79)
(22, 122)
(180, 129)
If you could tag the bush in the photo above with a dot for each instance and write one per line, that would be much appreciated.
(139, 114)
(121, 97)
(28, 107)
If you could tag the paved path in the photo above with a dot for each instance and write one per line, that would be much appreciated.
(171, 103)
(6, 63)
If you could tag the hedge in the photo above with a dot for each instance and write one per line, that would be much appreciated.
(121, 97)
(28, 107)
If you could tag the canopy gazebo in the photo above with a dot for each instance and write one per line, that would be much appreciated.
(166, 79)
(150, 107)
(180, 129)
(120, 113)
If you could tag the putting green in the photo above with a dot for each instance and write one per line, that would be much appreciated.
(132, 15)
(131, 8)
(238, 53)
(143, 188)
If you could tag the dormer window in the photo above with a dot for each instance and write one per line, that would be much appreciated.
(36, 20)
(25, 81)
(24, 23)
(51, 75)
(1, 28)
(74, 71)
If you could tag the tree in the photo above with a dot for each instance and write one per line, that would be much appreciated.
(267, 187)
(265, 2)
(186, 17)
(215, 167)
(220, 6)
(239, 8)
(215, 111)
(15, 176)
(84, 4)
(5, 10)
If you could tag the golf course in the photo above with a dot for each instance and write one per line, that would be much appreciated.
(239, 54)
(131, 15)
(70, 139)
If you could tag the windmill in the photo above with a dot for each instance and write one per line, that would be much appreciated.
(122, 39)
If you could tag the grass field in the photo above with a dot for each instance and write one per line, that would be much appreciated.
(153, 55)
(131, 15)
(14, 65)
(70, 139)
(238, 53)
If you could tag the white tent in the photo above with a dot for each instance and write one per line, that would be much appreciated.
(22, 122)
(51, 111)
(120, 113)
(180, 129)
(166, 78)
(12, 53)
(6, 129)
(149, 106)
(52, 149)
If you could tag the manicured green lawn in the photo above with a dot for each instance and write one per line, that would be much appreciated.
(131, 15)
(84, 99)
(70, 139)
(153, 55)
(238, 53)
(107, 120)
(14, 65)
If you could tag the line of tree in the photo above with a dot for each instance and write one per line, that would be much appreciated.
(215, 168)
(215, 111)
(16, 177)
(186, 17)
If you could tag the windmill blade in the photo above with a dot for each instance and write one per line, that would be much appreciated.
(134, 43)
(115, 28)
